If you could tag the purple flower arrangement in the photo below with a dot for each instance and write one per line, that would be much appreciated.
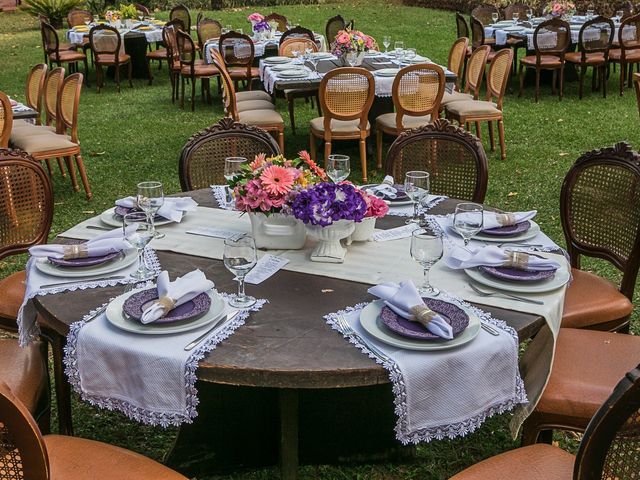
(261, 26)
(325, 203)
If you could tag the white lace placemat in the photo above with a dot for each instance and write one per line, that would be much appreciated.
(449, 393)
(28, 327)
(149, 378)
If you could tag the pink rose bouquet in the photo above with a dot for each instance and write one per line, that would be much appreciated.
(352, 41)
(376, 207)
(560, 8)
(255, 17)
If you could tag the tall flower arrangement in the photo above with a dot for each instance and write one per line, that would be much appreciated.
(325, 203)
(352, 41)
(560, 8)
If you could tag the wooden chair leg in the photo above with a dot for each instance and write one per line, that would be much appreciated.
(99, 76)
(291, 114)
(583, 71)
(193, 94)
(130, 73)
(61, 167)
(327, 151)
(478, 131)
(86, 71)
(363, 158)
(313, 147)
(118, 77)
(149, 71)
(72, 174)
(379, 147)
(503, 146)
(491, 139)
(182, 93)
(623, 73)
(281, 140)
(603, 80)
(537, 91)
(554, 81)
(83, 177)
(49, 169)
(562, 82)
(521, 81)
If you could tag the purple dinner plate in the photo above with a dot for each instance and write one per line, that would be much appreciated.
(135, 304)
(84, 262)
(516, 275)
(122, 211)
(453, 314)
(509, 230)
(401, 196)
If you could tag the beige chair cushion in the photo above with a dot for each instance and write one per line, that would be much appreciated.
(21, 133)
(44, 142)
(455, 97)
(21, 123)
(473, 107)
(388, 120)
(338, 126)
(255, 105)
(24, 370)
(260, 117)
(252, 95)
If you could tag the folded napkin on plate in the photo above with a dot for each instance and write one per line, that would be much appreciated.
(13, 102)
(460, 258)
(173, 294)
(385, 189)
(496, 220)
(405, 300)
(103, 244)
(172, 209)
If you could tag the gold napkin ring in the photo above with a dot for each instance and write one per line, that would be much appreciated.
(517, 260)
(70, 252)
(506, 219)
(166, 303)
(422, 314)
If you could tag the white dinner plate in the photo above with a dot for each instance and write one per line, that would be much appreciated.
(558, 280)
(386, 72)
(403, 203)
(277, 60)
(116, 317)
(513, 29)
(370, 321)
(503, 23)
(532, 232)
(281, 68)
(118, 263)
(292, 74)
(321, 54)
(109, 217)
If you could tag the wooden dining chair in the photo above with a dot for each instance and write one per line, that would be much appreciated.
(466, 112)
(6, 120)
(191, 71)
(34, 92)
(106, 45)
(142, 10)
(551, 40)
(181, 12)
(281, 20)
(238, 52)
(202, 157)
(416, 92)
(207, 29)
(454, 157)
(473, 79)
(457, 59)
(78, 17)
(169, 39)
(298, 32)
(594, 41)
(346, 96)
(54, 54)
(628, 52)
(636, 82)
(484, 12)
(334, 25)
(608, 449)
(478, 38)
(249, 97)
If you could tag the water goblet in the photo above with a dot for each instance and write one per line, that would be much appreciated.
(515, 18)
(416, 186)
(386, 41)
(232, 167)
(138, 238)
(468, 220)
(338, 168)
(150, 198)
(590, 13)
(619, 15)
(398, 50)
(529, 14)
(426, 249)
(410, 55)
(495, 16)
(239, 258)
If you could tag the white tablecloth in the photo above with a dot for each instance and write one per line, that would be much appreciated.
(151, 36)
(549, 42)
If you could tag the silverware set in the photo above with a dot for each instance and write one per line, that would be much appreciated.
(346, 329)
(217, 324)
(493, 293)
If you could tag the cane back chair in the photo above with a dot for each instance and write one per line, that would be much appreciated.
(297, 32)
(55, 54)
(457, 58)
(169, 38)
(628, 52)
(519, 8)
(473, 77)
(281, 20)
(454, 158)
(255, 99)
(35, 88)
(181, 12)
(202, 158)
(479, 39)
(79, 17)
(190, 70)
(334, 25)
(238, 52)
(6, 120)
(106, 45)
(484, 12)
(208, 29)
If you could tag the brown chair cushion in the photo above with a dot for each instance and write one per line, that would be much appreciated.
(260, 117)
(252, 95)
(73, 458)
(591, 300)
(535, 462)
(630, 55)
(388, 121)
(338, 126)
(591, 58)
(490, 57)
(110, 59)
(12, 290)
(455, 97)
(545, 60)
(44, 142)
(587, 366)
(255, 105)
(473, 107)
(241, 72)
(200, 70)
(68, 46)
(25, 371)
(490, 41)
(68, 56)
(160, 54)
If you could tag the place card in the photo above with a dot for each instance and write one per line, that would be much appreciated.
(214, 232)
(265, 268)
(395, 233)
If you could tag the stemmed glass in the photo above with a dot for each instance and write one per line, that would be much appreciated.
(410, 54)
(590, 12)
(515, 17)
(138, 238)
(399, 51)
(416, 186)
(386, 41)
(239, 258)
(619, 15)
(426, 249)
(150, 198)
(338, 168)
(232, 167)
(529, 14)
(495, 17)
(468, 220)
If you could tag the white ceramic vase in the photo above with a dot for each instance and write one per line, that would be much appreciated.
(277, 231)
(363, 231)
(329, 249)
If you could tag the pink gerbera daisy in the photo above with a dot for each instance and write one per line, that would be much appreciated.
(258, 161)
(276, 180)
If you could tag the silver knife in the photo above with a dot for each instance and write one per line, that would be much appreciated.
(230, 316)
(98, 227)
(83, 280)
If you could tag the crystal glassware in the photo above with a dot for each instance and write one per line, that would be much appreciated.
(619, 15)
(232, 167)
(150, 198)
(398, 48)
(410, 55)
(386, 41)
(239, 258)
(495, 17)
(515, 18)
(138, 238)
(426, 249)
(529, 14)
(338, 168)
(590, 13)
(416, 186)
(468, 220)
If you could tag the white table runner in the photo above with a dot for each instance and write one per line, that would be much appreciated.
(151, 36)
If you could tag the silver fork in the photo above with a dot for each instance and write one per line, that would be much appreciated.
(484, 293)
(346, 329)
(102, 309)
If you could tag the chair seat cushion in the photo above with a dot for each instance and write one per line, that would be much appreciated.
(545, 60)
(388, 121)
(12, 290)
(24, 370)
(455, 97)
(68, 46)
(68, 56)
(338, 126)
(535, 462)
(110, 59)
(596, 58)
(255, 105)
(591, 300)
(21, 132)
(44, 142)
(473, 107)
(72, 458)
(160, 54)
(200, 70)
(630, 55)
(241, 72)
(252, 95)
(587, 366)
(260, 117)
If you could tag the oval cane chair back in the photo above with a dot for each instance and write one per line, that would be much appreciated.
(52, 88)
(78, 17)
(297, 32)
(461, 26)
(35, 88)
(281, 20)
(208, 28)
(237, 49)
(68, 105)
(6, 120)
(169, 38)
(629, 35)
(334, 25)
(519, 8)
(50, 40)
(600, 210)
(477, 33)
(484, 12)
(475, 70)
(457, 56)
(346, 94)
(228, 90)
(551, 37)
(142, 10)
(417, 91)
(105, 40)
(300, 45)
(26, 203)
(202, 157)
(454, 158)
(498, 76)
(181, 12)
(596, 35)
(186, 50)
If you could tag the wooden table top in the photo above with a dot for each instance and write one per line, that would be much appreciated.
(287, 344)
(25, 114)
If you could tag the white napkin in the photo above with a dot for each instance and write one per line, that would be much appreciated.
(103, 244)
(172, 209)
(490, 219)
(402, 297)
(181, 290)
(490, 256)
(385, 189)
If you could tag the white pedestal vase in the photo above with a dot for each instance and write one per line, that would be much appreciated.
(277, 231)
(363, 231)
(329, 249)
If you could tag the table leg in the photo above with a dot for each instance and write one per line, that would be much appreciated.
(288, 400)
(63, 389)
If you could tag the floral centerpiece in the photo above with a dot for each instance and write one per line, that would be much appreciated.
(376, 208)
(255, 17)
(350, 44)
(560, 8)
(128, 11)
(112, 15)
(261, 29)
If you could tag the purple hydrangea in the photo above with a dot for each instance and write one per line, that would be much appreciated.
(261, 27)
(325, 203)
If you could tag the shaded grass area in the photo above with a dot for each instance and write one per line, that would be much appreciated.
(138, 134)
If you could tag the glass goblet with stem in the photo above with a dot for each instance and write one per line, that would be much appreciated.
(386, 41)
(495, 16)
(410, 55)
(398, 48)
(150, 198)
(468, 220)
(426, 249)
(515, 18)
(416, 186)
(619, 15)
(239, 258)
(232, 168)
(338, 168)
(138, 238)
(529, 14)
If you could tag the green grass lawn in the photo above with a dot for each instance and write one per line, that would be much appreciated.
(138, 135)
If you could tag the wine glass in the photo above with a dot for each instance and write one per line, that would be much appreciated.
(398, 49)
(619, 15)
(416, 186)
(386, 41)
(495, 17)
(410, 55)
(338, 168)
(239, 258)
(515, 17)
(426, 249)
(468, 220)
(138, 238)
(150, 198)
(529, 14)
(590, 13)
(232, 167)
